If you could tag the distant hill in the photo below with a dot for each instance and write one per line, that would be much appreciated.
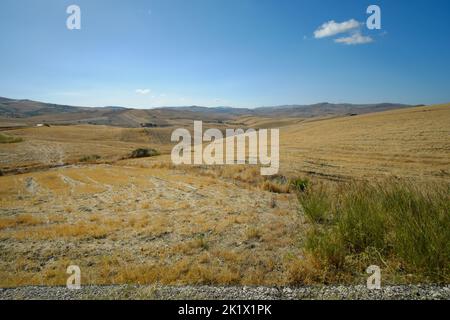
(325, 108)
(32, 112)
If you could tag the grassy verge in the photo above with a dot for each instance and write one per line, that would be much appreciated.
(400, 226)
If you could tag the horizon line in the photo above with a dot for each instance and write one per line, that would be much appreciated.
(224, 106)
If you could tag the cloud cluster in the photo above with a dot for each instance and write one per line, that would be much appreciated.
(355, 38)
(352, 27)
(332, 28)
(143, 91)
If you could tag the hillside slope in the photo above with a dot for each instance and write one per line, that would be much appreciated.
(411, 142)
(147, 221)
(27, 112)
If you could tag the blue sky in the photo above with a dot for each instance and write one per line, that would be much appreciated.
(243, 53)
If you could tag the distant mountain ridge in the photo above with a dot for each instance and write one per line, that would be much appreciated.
(32, 112)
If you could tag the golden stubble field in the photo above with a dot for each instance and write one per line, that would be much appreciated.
(412, 143)
(146, 221)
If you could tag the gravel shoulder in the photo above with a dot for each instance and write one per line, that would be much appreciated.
(125, 292)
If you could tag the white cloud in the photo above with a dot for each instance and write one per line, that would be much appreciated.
(332, 28)
(143, 91)
(355, 38)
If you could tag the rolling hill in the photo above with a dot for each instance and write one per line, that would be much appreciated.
(26, 112)
(146, 220)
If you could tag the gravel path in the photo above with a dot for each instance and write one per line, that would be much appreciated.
(413, 292)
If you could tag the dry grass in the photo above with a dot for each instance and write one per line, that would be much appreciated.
(148, 221)
(128, 224)
(77, 144)
(252, 233)
(276, 187)
(410, 143)
(20, 220)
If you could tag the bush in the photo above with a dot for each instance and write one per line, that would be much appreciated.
(299, 184)
(90, 158)
(316, 205)
(142, 153)
(396, 224)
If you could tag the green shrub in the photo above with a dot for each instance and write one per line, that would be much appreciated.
(142, 153)
(317, 205)
(90, 158)
(299, 184)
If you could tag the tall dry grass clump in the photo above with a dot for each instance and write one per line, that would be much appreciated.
(402, 226)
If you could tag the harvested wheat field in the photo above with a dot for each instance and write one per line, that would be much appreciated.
(412, 143)
(134, 224)
(145, 221)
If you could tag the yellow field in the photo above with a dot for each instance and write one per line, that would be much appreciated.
(132, 224)
(411, 142)
(146, 221)
(67, 144)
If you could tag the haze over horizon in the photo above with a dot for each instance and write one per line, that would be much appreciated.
(238, 53)
(205, 106)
